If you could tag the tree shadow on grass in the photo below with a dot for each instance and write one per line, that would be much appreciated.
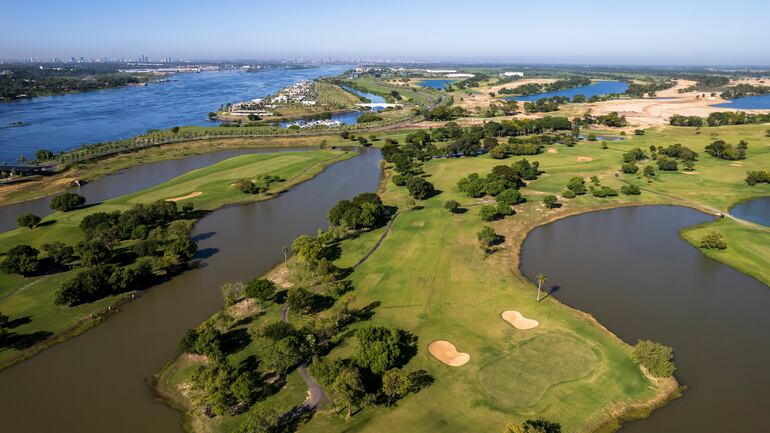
(234, 340)
(24, 341)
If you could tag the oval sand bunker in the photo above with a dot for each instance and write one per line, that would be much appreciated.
(447, 353)
(519, 321)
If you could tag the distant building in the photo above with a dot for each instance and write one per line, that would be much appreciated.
(512, 74)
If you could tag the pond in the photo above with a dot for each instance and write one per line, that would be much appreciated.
(756, 102)
(436, 84)
(598, 88)
(756, 210)
(101, 381)
(629, 269)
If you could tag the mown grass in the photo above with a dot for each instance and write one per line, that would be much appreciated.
(335, 96)
(748, 246)
(31, 299)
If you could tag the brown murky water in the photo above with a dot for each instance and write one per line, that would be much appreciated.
(98, 382)
(629, 268)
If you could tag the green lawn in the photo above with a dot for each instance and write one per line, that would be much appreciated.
(32, 298)
(748, 246)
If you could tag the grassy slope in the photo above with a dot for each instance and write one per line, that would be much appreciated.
(335, 96)
(417, 95)
(33, 297)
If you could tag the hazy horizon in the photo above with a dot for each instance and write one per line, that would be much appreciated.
(561, 33)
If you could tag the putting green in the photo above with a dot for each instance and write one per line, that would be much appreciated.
(534, 367)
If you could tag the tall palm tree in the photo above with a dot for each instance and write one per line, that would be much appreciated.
(541, 278)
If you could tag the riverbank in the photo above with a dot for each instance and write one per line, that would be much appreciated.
(30, 299)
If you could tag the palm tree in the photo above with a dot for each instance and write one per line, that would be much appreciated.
(541, 278)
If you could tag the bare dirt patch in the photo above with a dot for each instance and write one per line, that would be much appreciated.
(518, 321)
(447, 353)
(185, 197)
(553, 150)
(691, 172)
(584, 159)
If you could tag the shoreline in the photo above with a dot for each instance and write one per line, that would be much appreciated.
(86, 323)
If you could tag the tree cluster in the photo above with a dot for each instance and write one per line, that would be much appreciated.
(656, 358)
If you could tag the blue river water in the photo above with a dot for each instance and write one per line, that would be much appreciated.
(597, 88)
(436, 84)
(67, 121)
(756, 102)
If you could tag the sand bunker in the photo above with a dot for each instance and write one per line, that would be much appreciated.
(185, 197)
(553, 150)
(691, 172)
(736, 164)
(584, 158)
(447, 353)
(519, 321)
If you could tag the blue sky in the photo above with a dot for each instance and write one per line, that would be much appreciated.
(588, 31)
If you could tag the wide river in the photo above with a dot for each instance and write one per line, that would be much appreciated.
(629, 268)
(99, 382)
(67, 121)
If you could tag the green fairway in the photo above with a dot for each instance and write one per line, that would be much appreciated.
(32, 297)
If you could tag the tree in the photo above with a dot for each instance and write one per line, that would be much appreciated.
(378, 348)
(577, 185)
(67, 201)
(29, 220)
(488, 238)
(649, 172)
(395, 385)
(299, 299)
(43, 155)
(21, 259)
(93, 253)
(307, 249)
(263, 419)
(59, 253)
(347, 390)
(541, 279)
(419, 188)
(489, 213)
(713, 240)
(655, 357)
(550, 201)
(453, 206)
(261, 289)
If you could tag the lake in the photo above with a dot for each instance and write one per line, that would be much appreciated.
(67, 121)
(756, 210)
(101, 381)
(756, 102)
(629, 269)
(598, 88)
(436, 84)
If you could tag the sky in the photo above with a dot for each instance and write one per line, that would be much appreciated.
(653, 32)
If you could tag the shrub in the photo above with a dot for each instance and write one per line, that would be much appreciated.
(577, 185)
(550, 201)
(452, 206)
(368, 117)
(510, 196)
(504, 209)
(713, 241)
(67, 201)
(568, 194)
(757, 176)
(629, 167)
(655, 357)
(631, 189)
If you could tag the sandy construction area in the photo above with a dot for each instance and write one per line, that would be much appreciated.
(447, 353)
(656, 111)
(518, 321)
(185, 197)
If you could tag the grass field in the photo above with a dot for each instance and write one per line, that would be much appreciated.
(431, 279)
(32, 297)
(417, 95)
(335, 96)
